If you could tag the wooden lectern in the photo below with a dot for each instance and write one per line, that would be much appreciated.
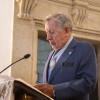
(17, 89)
(24, 91)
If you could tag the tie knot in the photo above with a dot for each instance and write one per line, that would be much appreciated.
(55, 52)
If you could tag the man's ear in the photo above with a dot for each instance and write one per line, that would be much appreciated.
(66, 30)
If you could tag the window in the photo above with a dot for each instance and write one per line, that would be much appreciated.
(43, 50)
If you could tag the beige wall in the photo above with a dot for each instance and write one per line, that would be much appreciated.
(6, 32)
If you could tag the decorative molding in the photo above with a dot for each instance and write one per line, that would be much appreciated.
(80, 3)
(89, 31)
(79, 32)
(68, 2)
(39, 24)
(87, 34)
(92, 5)
(79, 14)
(25, 8)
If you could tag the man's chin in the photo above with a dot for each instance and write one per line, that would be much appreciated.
(54, 48)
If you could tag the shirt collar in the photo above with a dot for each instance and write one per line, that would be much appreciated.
(59, 53)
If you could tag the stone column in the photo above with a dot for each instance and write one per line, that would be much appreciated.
(24, 42)
(34, 52)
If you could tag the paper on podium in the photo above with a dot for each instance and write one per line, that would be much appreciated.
(6, 87)
(21, 87)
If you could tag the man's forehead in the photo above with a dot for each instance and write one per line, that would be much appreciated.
(50, 27)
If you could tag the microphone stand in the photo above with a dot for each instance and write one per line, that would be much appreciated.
(25, 57)
(10, 65)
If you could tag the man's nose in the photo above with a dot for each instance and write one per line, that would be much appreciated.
(49, 36)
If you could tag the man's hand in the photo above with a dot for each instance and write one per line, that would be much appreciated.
(45, 88)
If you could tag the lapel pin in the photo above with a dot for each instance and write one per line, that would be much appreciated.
(70, 52)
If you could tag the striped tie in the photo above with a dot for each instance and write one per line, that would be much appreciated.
(52, 63)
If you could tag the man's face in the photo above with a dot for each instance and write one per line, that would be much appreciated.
(56, 36)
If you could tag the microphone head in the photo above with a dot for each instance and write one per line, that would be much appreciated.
(26, 56)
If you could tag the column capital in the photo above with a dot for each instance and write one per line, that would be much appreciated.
(25, 8)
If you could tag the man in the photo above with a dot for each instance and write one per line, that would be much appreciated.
(71, 73)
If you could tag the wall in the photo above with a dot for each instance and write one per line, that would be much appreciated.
(6, 31)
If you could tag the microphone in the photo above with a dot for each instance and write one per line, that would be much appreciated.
(25, 57)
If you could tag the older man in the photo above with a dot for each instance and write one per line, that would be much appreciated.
(70, 70)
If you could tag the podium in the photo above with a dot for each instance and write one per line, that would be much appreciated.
(24, 90)
(17, 89)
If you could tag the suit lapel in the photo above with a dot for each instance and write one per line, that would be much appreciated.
(45, 75)
(66, 54)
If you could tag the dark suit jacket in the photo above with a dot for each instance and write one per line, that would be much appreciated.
(74, 75)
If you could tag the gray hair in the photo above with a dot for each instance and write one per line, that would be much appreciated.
(61, 20)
